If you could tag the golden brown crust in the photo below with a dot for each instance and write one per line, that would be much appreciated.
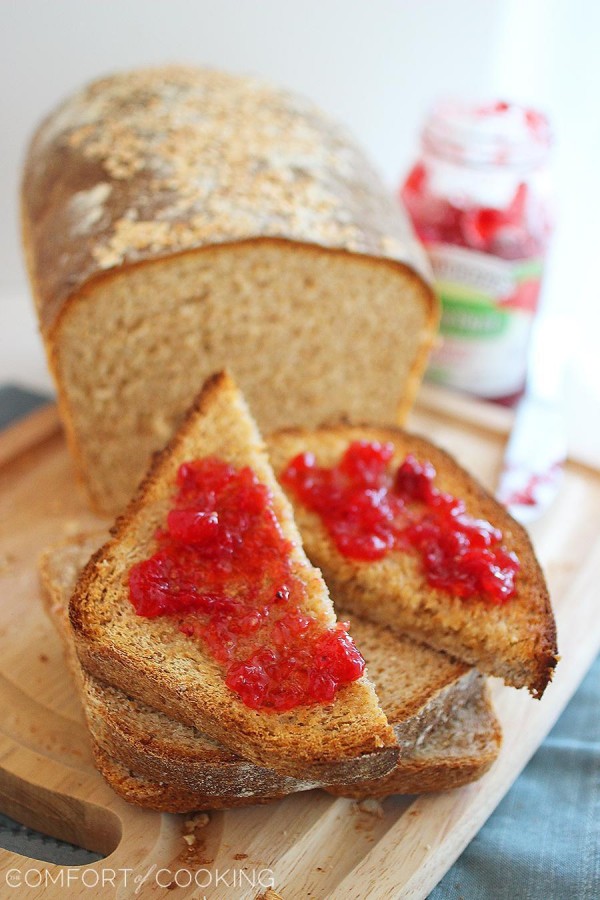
(450, 757)
(113, 178)
(525, 657)
(341, 741)
(164, 796)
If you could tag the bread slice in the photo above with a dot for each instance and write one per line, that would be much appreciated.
(515, 640)
(424, 693)
(155, 663)
(160, 249)
(456, 752)
(417, 686)
(128, 734)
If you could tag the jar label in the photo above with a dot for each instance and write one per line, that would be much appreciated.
(488, 306)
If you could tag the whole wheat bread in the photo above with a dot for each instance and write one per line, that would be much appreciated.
(456, 752)
(155, 663)
(515, 640)
(438, 708)
(418, 688)
(180, 220)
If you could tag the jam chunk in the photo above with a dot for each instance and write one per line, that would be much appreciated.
(370, 510)
(222, 568)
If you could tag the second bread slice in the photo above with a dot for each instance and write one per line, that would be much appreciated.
(515, 640)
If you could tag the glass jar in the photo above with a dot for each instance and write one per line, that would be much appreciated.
(478, 197)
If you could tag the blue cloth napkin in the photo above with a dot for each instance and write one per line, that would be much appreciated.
(541, 843)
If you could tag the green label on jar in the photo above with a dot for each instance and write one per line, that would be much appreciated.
(488, 306)
(472, 319)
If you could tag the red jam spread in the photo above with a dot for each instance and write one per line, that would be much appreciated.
(478, 183)
(222, 568)
(479, 199)
(370, 510)
(503, 232)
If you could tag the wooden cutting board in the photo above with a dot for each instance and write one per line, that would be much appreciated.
(308, 845)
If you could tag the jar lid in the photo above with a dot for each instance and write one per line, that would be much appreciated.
(488, 134)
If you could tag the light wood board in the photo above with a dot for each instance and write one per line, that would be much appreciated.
(311, 845)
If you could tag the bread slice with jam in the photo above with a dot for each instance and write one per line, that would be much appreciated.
(247, 652)
(438, 708)
(407, 538)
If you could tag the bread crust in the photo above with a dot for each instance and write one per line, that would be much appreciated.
(341, 741)
(111, 179)
(525, 657)
(165, 796)
(452, 760)
(447, 758)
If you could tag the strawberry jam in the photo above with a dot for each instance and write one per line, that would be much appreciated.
(222, 569)
(479, 199)
(370, 510)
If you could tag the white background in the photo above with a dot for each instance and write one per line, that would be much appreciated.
(376, 64)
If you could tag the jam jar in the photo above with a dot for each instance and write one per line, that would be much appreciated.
(480, 201)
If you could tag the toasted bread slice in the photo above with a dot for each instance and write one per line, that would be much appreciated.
(179, 769)
(417, 687)
(155, 663)
(165, 796)
(515, 640)
(456, 752)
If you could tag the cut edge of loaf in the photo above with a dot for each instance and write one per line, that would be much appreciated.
(99, 494)
(318, 746)
(439, 620)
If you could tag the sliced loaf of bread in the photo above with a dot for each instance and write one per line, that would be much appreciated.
(180, 220)
(153, 661)
(439, 710)
(515, 640)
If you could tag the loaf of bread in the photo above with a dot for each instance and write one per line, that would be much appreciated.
(176, 221)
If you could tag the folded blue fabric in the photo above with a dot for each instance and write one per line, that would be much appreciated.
(16, 402)
(543, 840)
